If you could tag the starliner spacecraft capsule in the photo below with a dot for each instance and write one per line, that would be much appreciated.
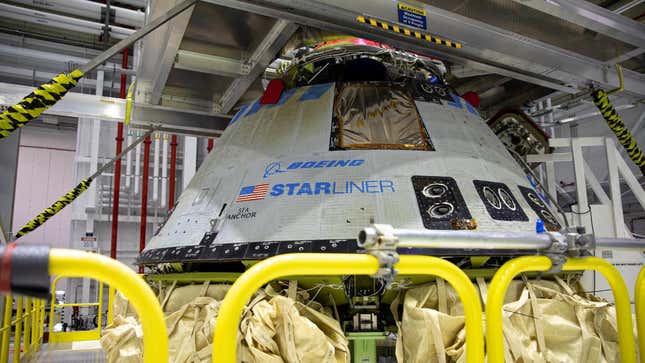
(352, 133)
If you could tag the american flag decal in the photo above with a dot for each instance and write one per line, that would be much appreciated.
(253, 192)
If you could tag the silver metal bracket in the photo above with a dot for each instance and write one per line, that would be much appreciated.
(568, 244)
(382, 245)
(557, 252)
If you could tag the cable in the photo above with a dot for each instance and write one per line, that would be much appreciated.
(48, 94)
(616, 124)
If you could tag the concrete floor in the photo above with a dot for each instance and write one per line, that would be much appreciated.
(77, 352)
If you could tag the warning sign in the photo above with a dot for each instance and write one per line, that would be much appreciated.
(88, 243)
(412, 16)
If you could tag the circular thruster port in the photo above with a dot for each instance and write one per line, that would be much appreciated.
(441, 210)
(435, 190)
(548, 217)
(507, 199)
(534, 198)
(492, 198)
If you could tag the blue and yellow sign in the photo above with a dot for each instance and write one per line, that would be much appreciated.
(412, 16)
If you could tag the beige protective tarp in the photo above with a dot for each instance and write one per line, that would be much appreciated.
(122, 341)
(544, 321)
(280, 329)
(275, 329)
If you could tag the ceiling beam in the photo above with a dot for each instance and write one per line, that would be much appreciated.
(159, 51)
(262, 56)
(591, 16)
(484, 46)
(168, 119)
(210, 64)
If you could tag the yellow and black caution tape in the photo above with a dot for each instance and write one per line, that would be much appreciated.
(406, 31)
(37, 102)
(616, 124)
(54, 208)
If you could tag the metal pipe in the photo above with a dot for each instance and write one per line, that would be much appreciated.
(137, 168)
(178, 9)
(155, 169)
(620, 243)
(624, 8)
(61, 22)
(457, 240)
(39, 56)
(164, 170)
(144, 197)
(89, 9)
(128, 163)
(173, 167)
(117, 166)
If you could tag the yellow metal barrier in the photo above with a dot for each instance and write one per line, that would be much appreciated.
(224, 343)
(639, 300)
(506, 273)
(72, 336)
(26, 321)
(74, 263)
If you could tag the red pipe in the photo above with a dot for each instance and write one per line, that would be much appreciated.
(117, 166)
(210, 145)
(144, 196)
(173, 166)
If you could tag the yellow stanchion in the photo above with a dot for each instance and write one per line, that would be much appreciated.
(427, 265)
(639, 300)
(34, 326)
(6, 328)
(622, 301)
(508, 271)
(74, 263)
(27, 326)
(225, 337)
(495, 300)
(110, 312)
(18, 334)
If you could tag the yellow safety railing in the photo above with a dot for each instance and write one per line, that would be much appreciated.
(82, 335)
(225, 337)
(639, 301)
(506, 273)
(75, 263)
(27, 323)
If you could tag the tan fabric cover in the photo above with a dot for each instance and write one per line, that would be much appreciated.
(277, 329)
(183, 295)
(122, 341)
(574, 328)
(283, 330)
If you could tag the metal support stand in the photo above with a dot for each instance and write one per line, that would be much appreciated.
(364, 346)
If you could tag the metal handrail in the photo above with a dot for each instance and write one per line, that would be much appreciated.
(74, 263)
(639, 301)
(225, 337)
(28, 329)
(68, 336)
(508, 271)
